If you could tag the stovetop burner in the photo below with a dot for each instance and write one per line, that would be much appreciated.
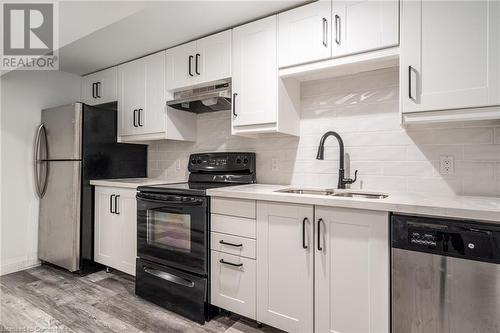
(185, 188)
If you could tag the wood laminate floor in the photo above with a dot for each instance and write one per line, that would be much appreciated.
(47, 299)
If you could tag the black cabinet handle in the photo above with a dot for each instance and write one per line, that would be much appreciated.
(196, 64)
(189, 65)
(230, 244)
(139, 118)
(304, 246)
(135, 117)
(111, 200)
(93, 90)
(117, 210)
(98, 89)
(234, 104)
(229, 263)
(319, 234)
(337, 29)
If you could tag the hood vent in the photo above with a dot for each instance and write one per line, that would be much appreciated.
(204, 99)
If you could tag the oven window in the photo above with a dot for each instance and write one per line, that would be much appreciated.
(169, 231)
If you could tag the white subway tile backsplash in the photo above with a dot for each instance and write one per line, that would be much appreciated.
(364, 109)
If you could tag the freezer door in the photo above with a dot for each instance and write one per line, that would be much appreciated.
(64, 131)
(59, 222)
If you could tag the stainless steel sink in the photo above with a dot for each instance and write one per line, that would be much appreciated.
(307, 191)
(335, 193)
(360, 195)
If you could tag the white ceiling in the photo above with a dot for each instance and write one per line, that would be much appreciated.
(99, 34)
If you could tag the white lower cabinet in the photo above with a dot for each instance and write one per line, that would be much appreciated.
(115, 237)
(285, 258)
(233, 283)
(316, 269)
(351, 270)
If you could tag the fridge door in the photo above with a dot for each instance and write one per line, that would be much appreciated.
(63, 125)
(59, 222)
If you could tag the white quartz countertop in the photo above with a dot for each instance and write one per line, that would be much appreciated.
(468, 207)
(130, 182)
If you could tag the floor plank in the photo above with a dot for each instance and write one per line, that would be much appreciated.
(45, 297)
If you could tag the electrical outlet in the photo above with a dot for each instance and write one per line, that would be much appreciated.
(274, 164)
(447, 165)
(177, 165)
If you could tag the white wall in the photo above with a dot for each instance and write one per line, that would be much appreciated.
(363, 108)
(23, 95)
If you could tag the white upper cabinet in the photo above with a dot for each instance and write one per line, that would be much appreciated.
(450, 55)
(305, 34)
(285, 259)
(360, 26)
(100, 87)
(351, 271)
(141, 104)
(204, 60)
(261, 101)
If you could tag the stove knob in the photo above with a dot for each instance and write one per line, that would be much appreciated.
(238, 161)
(193, 161)
(245, 161)
(198, 161)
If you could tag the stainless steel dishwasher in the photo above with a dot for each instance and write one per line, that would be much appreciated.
(445, 275)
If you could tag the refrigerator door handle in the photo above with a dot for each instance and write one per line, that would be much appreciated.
(40, 184)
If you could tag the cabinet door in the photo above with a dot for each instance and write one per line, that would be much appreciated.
(360, 26)
(285, 251)
(100, 87)
(255, 72)
(304, 34)
(213, 57)
(152, 114)
(351, 271)
(180, 66)
(131, 96)
(127, 229)
(450, 54)
(106, 234)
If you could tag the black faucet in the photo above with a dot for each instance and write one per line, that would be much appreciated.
(321, 155)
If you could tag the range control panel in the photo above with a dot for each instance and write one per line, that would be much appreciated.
(222, 162)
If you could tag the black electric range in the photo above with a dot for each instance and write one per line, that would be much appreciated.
(173, 233)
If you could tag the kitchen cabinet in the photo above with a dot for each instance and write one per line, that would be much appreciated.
(100, 87)
(361, 26)
(233, 264)
(305, 34)
(262, 102)
(204, 60)
(115, 237)
(142, 111)
(285, 273)
(351, 270)
(447, 64)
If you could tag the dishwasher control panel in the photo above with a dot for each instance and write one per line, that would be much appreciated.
(456, 238)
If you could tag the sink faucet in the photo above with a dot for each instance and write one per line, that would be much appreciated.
(321, 155)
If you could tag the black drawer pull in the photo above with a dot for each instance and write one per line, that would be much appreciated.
(229, 263)
(230, 244)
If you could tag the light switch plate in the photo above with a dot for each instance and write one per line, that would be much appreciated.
(274, 164)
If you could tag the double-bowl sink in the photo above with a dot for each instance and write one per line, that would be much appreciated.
(334, 193)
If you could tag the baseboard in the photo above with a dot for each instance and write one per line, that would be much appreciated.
(16, 265)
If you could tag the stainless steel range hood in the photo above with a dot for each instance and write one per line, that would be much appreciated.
(210, 98)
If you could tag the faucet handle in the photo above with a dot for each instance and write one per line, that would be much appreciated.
(350, 180)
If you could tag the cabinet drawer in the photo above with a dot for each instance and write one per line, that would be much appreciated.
(234, 207)
(235, 245)
(233, 287)
(233, 225)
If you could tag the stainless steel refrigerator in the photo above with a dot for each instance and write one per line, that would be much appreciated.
(74, 144)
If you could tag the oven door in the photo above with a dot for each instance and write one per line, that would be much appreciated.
(173, 230)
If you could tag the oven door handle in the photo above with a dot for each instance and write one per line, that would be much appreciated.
(196, 202)
(169, 277)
